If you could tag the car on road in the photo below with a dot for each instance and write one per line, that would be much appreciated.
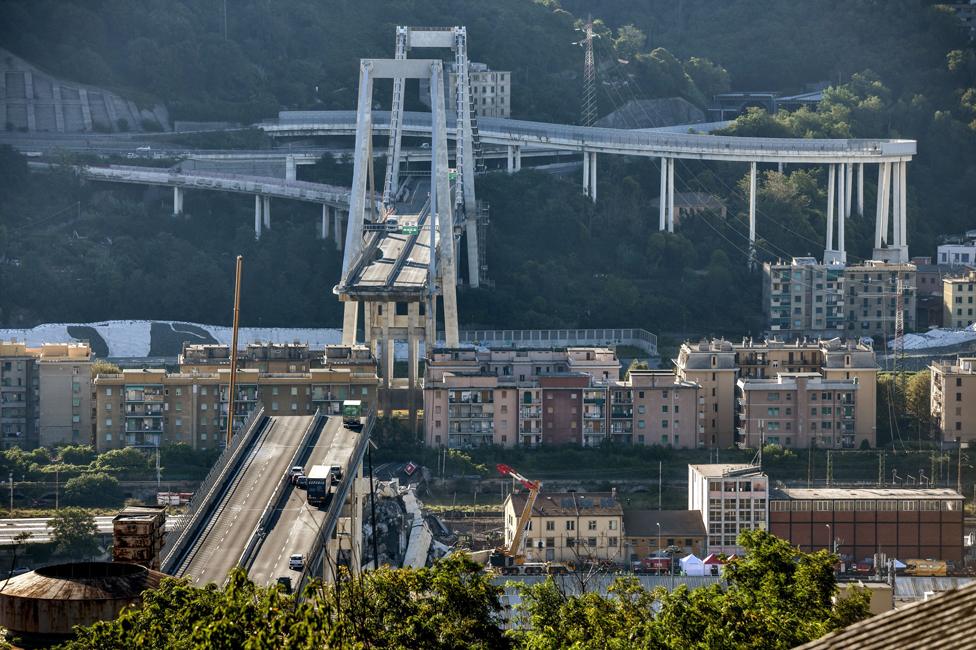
(144, 149)
(295, 472)
(392, 224)
(302, 482)
(285, 582)
(296, 562)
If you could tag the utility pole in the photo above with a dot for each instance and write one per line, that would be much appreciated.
(11, 494)
(588, 112)
(659, 482)
(225, 20)
(233, 351)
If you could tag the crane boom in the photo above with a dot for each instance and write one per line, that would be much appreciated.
(533, 487)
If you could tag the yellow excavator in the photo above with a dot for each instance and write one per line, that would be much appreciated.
(508, 560)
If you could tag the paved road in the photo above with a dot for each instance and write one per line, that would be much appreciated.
(220, 546)
(298, 524)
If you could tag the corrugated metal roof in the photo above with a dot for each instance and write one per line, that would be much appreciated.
(914, 588)
(947, 622)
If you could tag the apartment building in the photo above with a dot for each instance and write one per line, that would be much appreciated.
(799, 410)
(727, 371)
(653, 407)
(957, 301)
(731, 498)
(956, 254)
(904, 523)
(568, 527)
(45, 397)
(147, 408)
(953, 398)
(264, 357)
(711, 365)
(808, 298)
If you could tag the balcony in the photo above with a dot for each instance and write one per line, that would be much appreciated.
(622, 427)
(625, 413)
(469, 413)
(533, 412)
(530, 432)
(593, 415)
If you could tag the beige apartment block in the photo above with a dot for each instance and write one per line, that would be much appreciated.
(491, 90)
(45, 395)
(146, 408)
(711, 365)
(804, 297)
(958, 297)
(953, 398)
(572, 527)
(731, 498)
(799, 410)
(264, 357)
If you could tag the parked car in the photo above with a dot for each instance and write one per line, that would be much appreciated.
(296, 562)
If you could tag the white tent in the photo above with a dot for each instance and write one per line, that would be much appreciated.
(692, 565)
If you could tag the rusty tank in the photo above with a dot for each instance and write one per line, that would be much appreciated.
(45, 604)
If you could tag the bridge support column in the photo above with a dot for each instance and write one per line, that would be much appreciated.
(518, 158)
(177, 201)
(474, 262)
(266, 200)
(670, 194)
(338, 228)
(848, 188)
(350, 321)
(593, 176)
(881, 212)
(829, 247)
(843, 194)
(257, 216)
(413, 365)
(291, 172)
(510, 159)
(662, 215)
(324, 229)
(779, 167)
(586, 173)
(752, 215)
(860, 189)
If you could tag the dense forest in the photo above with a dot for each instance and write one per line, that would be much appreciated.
(71, 251)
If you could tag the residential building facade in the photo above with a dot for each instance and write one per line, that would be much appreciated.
(711, 365)
(952, 399)
(800, 410)
(554, 397)
(731, 498)
(958, 301)
(491, 90)
(807, 298)
(45, 395)
(569, 527)
(147, 408)
(956, 254)
(904, 523)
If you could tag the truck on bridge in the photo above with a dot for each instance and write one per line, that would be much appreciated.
(321, 484)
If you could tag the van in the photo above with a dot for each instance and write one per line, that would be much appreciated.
(296, 562)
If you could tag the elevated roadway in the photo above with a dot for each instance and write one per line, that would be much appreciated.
(225, 537)
(655, 143)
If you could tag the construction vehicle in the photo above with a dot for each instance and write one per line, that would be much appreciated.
(509, 561)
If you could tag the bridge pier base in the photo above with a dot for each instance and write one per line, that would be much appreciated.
(474, 261)
(350, 321)
(593, 176)
(291, 172)
(586, 173)
(324, 228)
(510, 159)
(177, 201)
(860, 189)
(257, 216)
(413, 365)
(267, 211)
(752, 215)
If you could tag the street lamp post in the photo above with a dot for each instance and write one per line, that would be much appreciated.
(658, 524)
(830, 541)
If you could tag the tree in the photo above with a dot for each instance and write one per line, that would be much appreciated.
(104, 367)
(123, 461)
(630, 40)
(450, 605)
(95, 489)
(918, 402)
(776, 597)
(77, 454)
(73, 532)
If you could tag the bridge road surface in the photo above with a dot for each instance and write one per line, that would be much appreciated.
(220, 545)
(298, 524)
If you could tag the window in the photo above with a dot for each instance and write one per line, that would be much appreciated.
(294, 390)
(108, 422)
(591, 524)
(108, 392)
(908, 506)
(591, 541)
(550, 542)
(822, 506)
(612, 524)
(611, 541)
(664, 424)
(570, 525)
(664, 408)
(550, 524)
(108, 407)
(178, 391)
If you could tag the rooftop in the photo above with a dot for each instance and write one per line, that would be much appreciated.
(864, 493)
(715, 470)
(570, 504)
(947, 621)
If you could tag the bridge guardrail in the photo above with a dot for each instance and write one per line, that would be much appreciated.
(214, 477)
(259, 532)
(332, 515)
(636, 337)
